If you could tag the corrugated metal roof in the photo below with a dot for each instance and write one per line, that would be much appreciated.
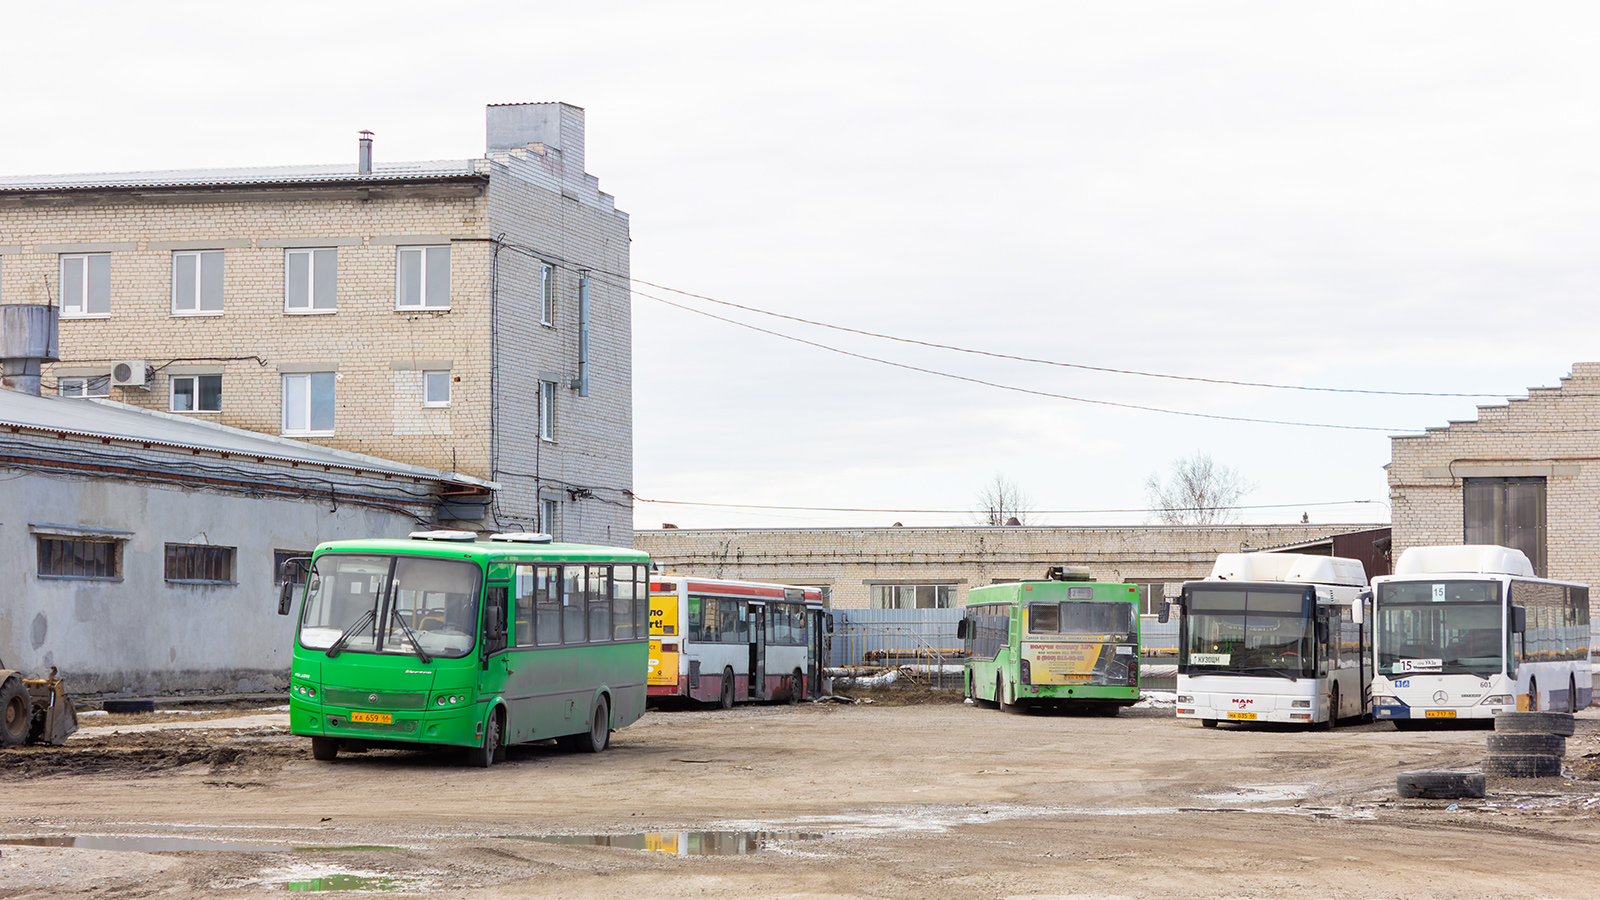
(110, 420)
(331, 174)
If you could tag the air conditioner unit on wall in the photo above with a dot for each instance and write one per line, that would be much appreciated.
(130, 373)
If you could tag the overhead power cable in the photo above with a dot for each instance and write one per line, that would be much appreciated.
(1050, 362)
(1020, 390)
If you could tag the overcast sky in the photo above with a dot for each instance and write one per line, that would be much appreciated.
(1374, 196)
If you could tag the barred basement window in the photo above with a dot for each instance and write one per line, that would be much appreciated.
(199, 564)
(71, 558)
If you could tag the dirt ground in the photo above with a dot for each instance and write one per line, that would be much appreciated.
(877, 800)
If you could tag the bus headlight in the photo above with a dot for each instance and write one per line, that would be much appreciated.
(1185, 698)
(1495, 700)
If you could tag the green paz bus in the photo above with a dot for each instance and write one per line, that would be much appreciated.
(1064, 643)
(445, 640)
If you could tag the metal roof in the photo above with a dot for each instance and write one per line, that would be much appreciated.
(262, 175)
(112, 421)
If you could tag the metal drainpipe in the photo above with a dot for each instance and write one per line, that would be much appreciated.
(583, 333)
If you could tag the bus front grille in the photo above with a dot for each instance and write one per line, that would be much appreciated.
(373, 699)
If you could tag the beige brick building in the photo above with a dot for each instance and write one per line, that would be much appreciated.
(936, 567)
(467, 315)
(1525, 475)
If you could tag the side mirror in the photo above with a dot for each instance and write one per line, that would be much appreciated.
(830, 623)
(1358, 606)
(963, 629)
(285, 598)
(1519, 620)
(1166, 612)
(1322, 631)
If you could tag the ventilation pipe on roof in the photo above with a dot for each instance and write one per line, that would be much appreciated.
(364, 157)
(28, 339)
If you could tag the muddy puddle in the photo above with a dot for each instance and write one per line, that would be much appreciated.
(681, 843)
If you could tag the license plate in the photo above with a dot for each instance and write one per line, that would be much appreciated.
(1440, 714)
(1241, 715)
(373, 718)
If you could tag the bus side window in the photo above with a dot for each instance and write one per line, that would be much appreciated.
(622, 603)
(547, 605)
(599, 596)
(572, 602)
(523, 605)
(641, 606)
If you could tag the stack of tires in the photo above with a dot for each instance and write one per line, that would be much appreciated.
(1528, 744)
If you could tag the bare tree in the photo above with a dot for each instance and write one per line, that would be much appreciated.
(1001, 502)
(1200, 492)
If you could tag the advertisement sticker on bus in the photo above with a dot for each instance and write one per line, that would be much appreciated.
(663, 614)
(1060, 663)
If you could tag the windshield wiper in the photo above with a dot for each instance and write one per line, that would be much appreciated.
(348, 633)
(394, 615)
(1245, 670)
(1270, 671)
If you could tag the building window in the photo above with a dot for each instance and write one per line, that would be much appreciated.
(547, 410)
(547, 517)
(295, 573)
(84, 386)
(197, 282)
(308, 403)
(196, 393)
(199, 564)
(547, 294)
(86, 284)
(913, 596)
(309, 280)
(435, 388)
(423, 279)
(1508, 512)
(61, 557)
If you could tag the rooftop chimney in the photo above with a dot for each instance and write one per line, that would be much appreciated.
(364, 158)
(28, 338)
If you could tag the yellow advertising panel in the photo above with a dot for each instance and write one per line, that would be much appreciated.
(1061, 663)
(663, 624)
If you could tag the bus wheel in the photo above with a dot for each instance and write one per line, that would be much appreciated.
(725, 700)
(1533, 695)
(1572, 695)
(1208, 723)
(599, 735)
(324, 748)
(797, 687)
(1333, 711)
(491, 751)
(1000, 695)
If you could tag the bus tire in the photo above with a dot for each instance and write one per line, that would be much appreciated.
(486, 756)
(1533, 695)
(324, 749)
(1534, 723)
(1572, 695)
(797, 687)
(17, 708)
(725, 699)
(1000, 695)
(1440, 785)
(1208, 723)
(1333, 711)
(598, 737)
(1520, 744)
(1522, 765)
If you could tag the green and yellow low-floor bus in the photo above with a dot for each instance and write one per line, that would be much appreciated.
(1061, 643)
(446, 640)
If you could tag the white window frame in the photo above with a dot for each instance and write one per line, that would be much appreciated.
(82, 305)
(299, 402)
(426, 258)
(549, 511)
(194, 393)
(547, 294)
(199, 303)
(547, 410)
(317, 302)
(432, 378)
(81, 386)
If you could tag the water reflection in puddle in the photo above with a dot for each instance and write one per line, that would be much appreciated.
(347, 882)
(139, 843)
(680, 843)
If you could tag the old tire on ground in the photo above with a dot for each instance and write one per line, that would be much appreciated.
(485, 756)
(324, 748)
(1502, 743)
(129, 706)
(1526, 765)
(598, 737)
(16, 712)
(725, 699)
(1534, 723)
(1440, 785)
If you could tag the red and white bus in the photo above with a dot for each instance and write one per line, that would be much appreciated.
(725, 641)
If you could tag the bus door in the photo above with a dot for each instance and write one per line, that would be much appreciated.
(758, 651)
(814, 653)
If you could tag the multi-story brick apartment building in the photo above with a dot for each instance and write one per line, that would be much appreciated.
(1524, 475)
(467, 315)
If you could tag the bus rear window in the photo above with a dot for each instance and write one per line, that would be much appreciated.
(1080, 618)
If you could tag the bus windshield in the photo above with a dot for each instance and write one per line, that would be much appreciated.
(1249, 631)
(1080, 617)
(391, 604)
(1440, 627)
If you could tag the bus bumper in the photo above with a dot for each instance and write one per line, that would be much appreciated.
(453, 725)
